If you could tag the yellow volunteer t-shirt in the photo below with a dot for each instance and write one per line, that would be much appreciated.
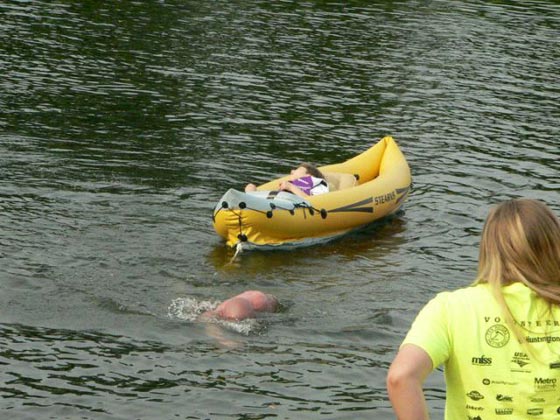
(488, 373)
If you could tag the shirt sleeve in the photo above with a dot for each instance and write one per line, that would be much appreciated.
(430, 331)
(320, 186)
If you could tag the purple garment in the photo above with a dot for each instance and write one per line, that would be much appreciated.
(305, 183)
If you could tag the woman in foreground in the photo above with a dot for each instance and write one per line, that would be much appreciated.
(499, 340)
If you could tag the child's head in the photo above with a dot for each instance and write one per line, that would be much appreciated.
(307, 169)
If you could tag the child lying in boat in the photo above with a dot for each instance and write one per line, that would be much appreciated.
(304, 181)
(243, 306)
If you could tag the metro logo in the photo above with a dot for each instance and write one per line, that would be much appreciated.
(547, 381)
(545, 384)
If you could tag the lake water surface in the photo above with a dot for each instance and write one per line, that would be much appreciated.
(123, 123)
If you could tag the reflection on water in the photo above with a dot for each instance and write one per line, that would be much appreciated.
(122, 125)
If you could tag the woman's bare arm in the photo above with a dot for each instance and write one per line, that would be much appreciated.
(406, 375)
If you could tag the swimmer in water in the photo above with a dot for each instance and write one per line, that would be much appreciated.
(243, 306)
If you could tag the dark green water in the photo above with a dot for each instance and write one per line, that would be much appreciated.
(122, 124)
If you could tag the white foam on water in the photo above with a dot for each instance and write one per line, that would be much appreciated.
(245, 327)
(189, 309)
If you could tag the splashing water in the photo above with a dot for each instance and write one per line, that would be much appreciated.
(190, 309)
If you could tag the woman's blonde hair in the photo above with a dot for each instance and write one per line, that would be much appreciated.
(521, 243)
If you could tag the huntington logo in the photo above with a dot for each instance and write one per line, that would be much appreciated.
(497, 336)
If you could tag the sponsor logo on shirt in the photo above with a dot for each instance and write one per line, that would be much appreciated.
(537, 400)
(545, 384)
(474, 418)
(539, 323)
(544, 339)
(555, 365)
(504, 411)
(481, 361)
(535, 411)
(474, 408)
(487, 381)
(521, 360)
(475, 396)
(497, 336)
(504, 398)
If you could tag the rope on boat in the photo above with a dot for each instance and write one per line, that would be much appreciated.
(238, 250)
(306, 208)
(269, 213)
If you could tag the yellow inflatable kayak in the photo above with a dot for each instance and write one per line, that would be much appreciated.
(365, 188)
